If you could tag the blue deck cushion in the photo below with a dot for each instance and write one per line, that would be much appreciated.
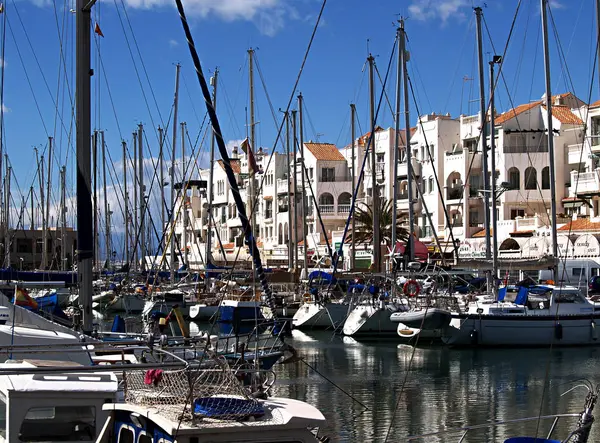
(502, 293)
(521, 298)
(227, 407)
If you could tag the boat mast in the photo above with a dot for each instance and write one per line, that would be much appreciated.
(95, 181)
(495, 59)
(544, 5)
(173, 147)
(411, 214)
(85, 241)
(484, 153)
(184, 196)
(161, 165)
(63, 218)
(289, 193)
(106, 222)
(375, 191)
(303, 184)
(354, 165)
(7, 242)
(598, 37)
(47, 208)
(251, 151)
(135, 201)
(126, 204)
(295, 179)
(211, 173)
(142, 232)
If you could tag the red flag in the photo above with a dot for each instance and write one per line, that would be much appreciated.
(97, 30)
(252, 166)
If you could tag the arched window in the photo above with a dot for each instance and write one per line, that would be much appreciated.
(344, 202)
(546, 178)
(285, 234)
(530, 178)
(514, 178)
(326, 203)
(280, 234)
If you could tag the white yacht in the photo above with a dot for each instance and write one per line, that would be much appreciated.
(540, 316)
(312, 315)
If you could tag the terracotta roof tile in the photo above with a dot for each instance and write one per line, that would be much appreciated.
(324, 151)
(564, 115)
(508, 115)
(595, 104)
(581, 224)
(235, 163)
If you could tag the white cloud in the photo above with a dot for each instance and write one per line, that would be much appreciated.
(5, 108)
(555, 4)
(231, 143)
(268, 15)
(173, 43)
(439, 9)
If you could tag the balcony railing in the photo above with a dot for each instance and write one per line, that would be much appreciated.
(343, 208)
(585, 181)
(326, 209)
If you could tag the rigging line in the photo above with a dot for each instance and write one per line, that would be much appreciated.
(310, 122)
(264, 85)
(458, 63)
(522, 52)
(291, 98)
(187, 90)
(137, 72)
(344, 128)
(108, 90)
(529, 157)
(143, 64)
(370, 144)
(435, 174)
(35, 58)
(37, 105)
(385, 94)
(575, 27)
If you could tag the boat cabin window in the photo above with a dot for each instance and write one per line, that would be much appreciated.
(568, 297)
(144, 438)
(59, 423)
(126, 435)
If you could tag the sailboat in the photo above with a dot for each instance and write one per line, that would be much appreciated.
(543, 315)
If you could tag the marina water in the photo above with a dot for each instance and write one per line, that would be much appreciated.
(443, 388)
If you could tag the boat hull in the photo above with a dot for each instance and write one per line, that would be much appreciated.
(424, 319)
(316, 316)
(370, 321)
(202, 312)
(522, 330)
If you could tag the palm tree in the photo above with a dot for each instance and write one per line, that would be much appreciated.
(363, 216)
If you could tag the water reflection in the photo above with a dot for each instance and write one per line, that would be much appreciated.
(442, 388)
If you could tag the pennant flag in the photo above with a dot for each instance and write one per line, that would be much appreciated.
(97, 30)
(22, 298)
(252, 166)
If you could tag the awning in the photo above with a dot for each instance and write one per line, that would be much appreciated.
(586, 245)
(572, 203)
(536, 247)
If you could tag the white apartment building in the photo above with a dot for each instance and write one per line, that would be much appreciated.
(447, 162)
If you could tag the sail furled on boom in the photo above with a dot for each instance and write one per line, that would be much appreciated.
(248, 234)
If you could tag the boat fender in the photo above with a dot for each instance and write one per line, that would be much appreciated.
(558, 331)
(411, 288)
(594, 330)
(474, 337)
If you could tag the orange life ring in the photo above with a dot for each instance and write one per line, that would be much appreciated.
(411, 288)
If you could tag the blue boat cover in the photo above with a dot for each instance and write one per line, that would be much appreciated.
(358, 286)
(522, 296)
(321, 275)
(502, 293)
(227, 407)
(118, 324)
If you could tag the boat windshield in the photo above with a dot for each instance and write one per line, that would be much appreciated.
(568, 296)
(59, 423)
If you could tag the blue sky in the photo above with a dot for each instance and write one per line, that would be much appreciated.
(441, 41)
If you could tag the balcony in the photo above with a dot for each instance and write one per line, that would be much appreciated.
(585, 182)
(282, 186)
(575, 154)
(454, 193)
(326, 209)
(343, 209)
(403, 168)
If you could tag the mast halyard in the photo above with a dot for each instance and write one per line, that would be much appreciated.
(173, 152)
(303, 184)
(544, 6)
(484, 151)
(251, 152)
(410, 182)
(354, 165)
(247, 228)
(495, 59)
(211, 174)
(374, 189)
